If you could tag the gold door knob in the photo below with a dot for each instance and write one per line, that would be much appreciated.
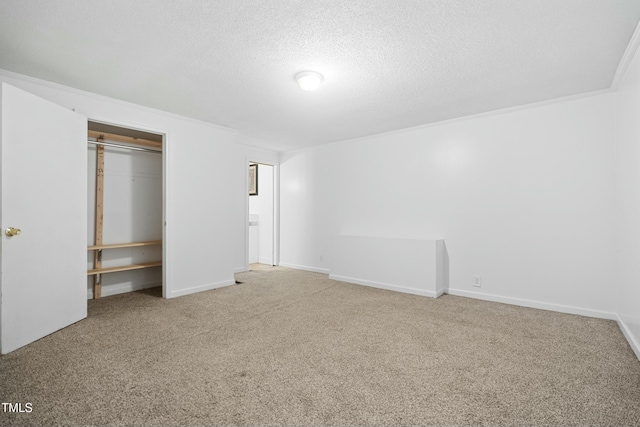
(12, 231)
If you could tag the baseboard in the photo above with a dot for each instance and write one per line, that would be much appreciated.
(534, 304)
(201, 288)
(635, 345)
(240, 270)
(108, 290)
(386, 286)
(304, 267)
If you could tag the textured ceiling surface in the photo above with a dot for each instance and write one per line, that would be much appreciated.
(387, 64)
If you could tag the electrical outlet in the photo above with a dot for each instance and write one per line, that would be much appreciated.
(477, 281)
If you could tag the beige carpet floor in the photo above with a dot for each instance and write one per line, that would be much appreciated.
(288, 347)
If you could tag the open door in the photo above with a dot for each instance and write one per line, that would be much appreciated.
(43, 214)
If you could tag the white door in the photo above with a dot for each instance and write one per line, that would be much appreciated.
(43, 281)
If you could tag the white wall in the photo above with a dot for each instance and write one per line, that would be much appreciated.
(132, 213)
(204, 180)
(523, 199)
(262, 205)
(627, 160)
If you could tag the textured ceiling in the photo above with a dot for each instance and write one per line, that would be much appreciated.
(387, 64)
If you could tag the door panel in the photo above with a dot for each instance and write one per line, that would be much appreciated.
(44, 193)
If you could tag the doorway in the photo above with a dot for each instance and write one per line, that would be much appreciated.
(262, 230)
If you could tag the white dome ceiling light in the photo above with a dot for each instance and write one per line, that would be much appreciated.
(309, 80)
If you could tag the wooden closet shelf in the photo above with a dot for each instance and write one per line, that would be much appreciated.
(124, 245)
(124, 268)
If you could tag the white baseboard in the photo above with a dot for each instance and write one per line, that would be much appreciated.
(635, 345)
(108, 290)
(201, 288)
(534, 304)
(304, 267)
(386, 286)
(240, 269)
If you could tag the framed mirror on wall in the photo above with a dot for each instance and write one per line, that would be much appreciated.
(253, 180)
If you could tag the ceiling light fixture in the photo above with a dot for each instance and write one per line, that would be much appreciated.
(309, 80)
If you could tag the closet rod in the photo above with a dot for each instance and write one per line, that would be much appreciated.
(124, 146)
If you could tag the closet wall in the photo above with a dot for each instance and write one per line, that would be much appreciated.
(132, 212)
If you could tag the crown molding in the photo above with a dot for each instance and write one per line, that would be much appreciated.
(627, 57)
(103, 98)
(496, 112)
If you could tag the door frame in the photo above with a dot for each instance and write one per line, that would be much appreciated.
(276, 208)
(166, 287)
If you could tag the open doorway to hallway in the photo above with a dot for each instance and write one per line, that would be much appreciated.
(262, 218)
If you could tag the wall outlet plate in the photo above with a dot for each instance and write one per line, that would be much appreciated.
(477, 281)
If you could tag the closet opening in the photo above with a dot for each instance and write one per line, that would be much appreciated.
(125, 210)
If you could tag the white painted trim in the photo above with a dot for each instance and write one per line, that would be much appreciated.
(386, 286)
(627, 57)
(635, 345)
(266, 152)
(240, 270)
(58, 86)
(108, 120)
(134, 125)
(266, 261)
(534, 304)
(305, 268)
(167, 266)
(254, 146)
(445, 122)
(201, 288)
(246, 212)
(276, 214)
(108, 290)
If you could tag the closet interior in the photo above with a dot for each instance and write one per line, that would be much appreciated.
(125, 210)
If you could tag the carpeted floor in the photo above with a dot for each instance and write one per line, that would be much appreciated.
(289, 347)
(259, 267)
